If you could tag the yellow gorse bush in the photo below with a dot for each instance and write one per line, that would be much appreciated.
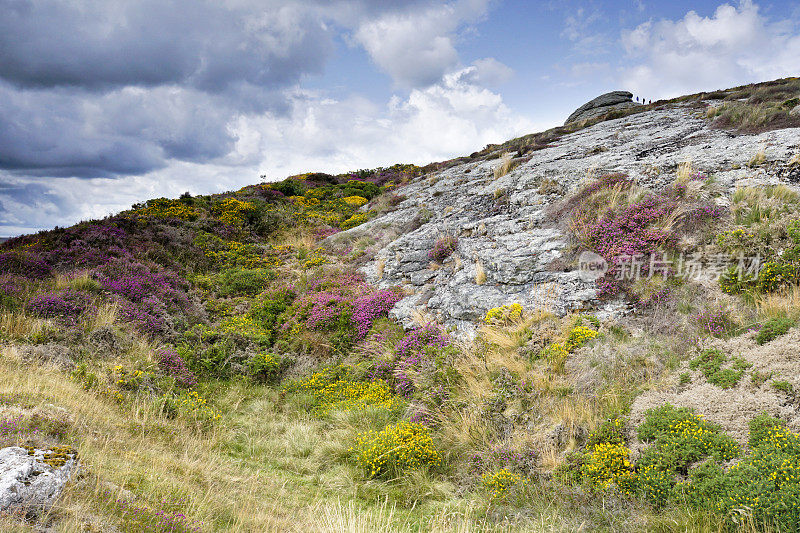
(166, 208)
(234, 212)
(355, 201)
(195, 406)
(355, 220)
(500, 484)
(504, 314)
(396, 448)
(608, 463)
(578, 336)
(343, 394)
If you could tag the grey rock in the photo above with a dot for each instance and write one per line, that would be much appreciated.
(522, 249)
(795, 112)
(601, 105)
(27, 483)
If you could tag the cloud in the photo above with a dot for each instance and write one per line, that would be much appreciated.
(736, 45)
(206, 96)
(416, 47)
(488, 72)
(450, 118)
(453, 117)
(127, 131)
(580, 28)
(206, 45)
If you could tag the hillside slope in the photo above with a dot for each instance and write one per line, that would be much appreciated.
(422, 348)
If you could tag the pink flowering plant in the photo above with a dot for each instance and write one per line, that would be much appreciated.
(641, 225)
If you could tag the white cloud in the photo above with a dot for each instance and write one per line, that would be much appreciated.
(454, 117)
(736, 45)
(488, 72)
(416, 47)
(451, 118)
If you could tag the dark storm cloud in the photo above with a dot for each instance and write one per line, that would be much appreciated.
(101, 44)
(108, 88)
(127, 131)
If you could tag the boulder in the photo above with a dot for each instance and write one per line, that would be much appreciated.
(795, 112)
(602, 105)
(31, 479)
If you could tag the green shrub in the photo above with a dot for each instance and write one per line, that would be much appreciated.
(679, 437)
(766, 482)
(612, 431)
(243, 281)
(760, 428)
(773, 328)
(710, 362)
(266, 367)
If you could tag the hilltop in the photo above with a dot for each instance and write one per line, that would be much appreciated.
(589, 328)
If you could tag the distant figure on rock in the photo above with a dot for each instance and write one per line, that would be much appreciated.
(637, 99)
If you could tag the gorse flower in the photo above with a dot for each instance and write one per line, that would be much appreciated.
(504, 314)
(500, 484)
(396, 448)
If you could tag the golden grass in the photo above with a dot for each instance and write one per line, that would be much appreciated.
(504, 166)
(346, 518)
(480, 273)
(18, 325)
(380, 264)
(81, 281)
(758, 159)
(135, 447)
(685, 172)
(106, 316)
(795, 160)
(779, 304)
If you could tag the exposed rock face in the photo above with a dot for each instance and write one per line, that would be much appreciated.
(602, 105)
(503, 223)
(31, 483)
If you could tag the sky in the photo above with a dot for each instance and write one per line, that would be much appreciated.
(105, 103)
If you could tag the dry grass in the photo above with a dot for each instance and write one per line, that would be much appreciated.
(795, 160)
(758, 159)
(380, 265)
(685, 172)
(135, 447)
(80, 281)
(504, 167)
(106, 316)
(18, 325)
(346, 518)
(480, 273)
(779, 304)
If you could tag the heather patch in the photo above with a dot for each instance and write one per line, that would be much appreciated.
(173, 365)
(23, 263)
(340, 305)
(630, 227)
(65, 305)
(443, 248)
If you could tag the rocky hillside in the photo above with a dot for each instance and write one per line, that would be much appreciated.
(504, 223)
(592, 328)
